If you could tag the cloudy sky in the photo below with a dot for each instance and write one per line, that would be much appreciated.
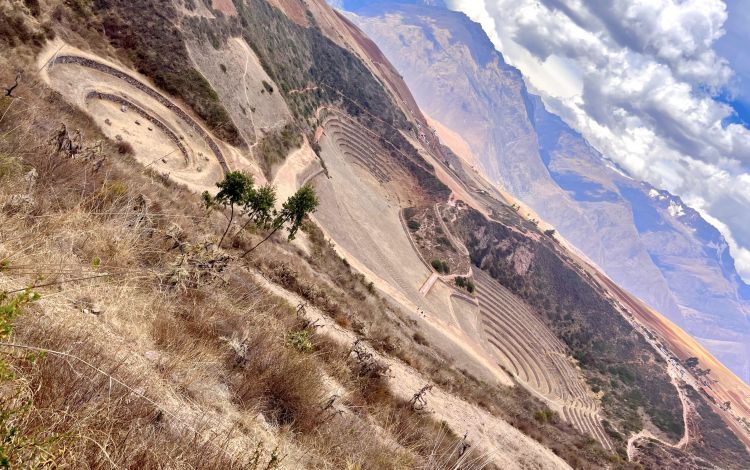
(660, 86)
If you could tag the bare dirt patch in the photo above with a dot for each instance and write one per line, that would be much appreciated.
(224, 6)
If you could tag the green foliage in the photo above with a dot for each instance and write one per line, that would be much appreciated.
(300, 340)
(445, 269)
(259, 206)
(546, 416)
(235, 189)
(267, 86)
(17, 449)
(413, 225)
(11, 306)
(465, 283)
(294, 210)
(440, 266)
(691, 362)
(292, 214)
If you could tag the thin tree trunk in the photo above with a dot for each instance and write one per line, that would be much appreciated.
(231, 217)
(242, 229)
(259, 243)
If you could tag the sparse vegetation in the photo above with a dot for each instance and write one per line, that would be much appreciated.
(235, 190)
(149, 34)
(124, 148)
(610, 352)
(466, 283)
(440, 266)
(275, 145)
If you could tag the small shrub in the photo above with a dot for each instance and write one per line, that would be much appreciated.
(300, 340)
(267, 86)
(223, 68)
(445, 268)
(124, 148)
(9, 167)
(546, 416)
(413, 225)
(111, 192)
(420, 339)
(436, 265)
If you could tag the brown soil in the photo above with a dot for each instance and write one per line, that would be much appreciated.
(224, 6)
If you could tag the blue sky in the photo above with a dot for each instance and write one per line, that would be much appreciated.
(662, 87)
(734, 47)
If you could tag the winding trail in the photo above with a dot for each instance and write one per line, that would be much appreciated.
(672, 369)
(247, 102)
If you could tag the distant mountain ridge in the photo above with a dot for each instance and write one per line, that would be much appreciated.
(646, 239)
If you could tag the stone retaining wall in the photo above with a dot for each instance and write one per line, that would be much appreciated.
(163, 127)
(92, 64)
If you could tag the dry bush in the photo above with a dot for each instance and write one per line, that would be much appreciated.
(124, 148)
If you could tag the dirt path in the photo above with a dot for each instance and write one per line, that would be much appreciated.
(429, 283)
(249, 105)
(676, 377)
(503, 444)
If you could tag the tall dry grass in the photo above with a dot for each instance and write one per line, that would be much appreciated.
(133, 360)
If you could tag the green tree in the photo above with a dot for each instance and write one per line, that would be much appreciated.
(234, 190)
(259, 207)
(292, 214)
(436, 265)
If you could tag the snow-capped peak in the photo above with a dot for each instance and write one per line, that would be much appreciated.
(676, 209)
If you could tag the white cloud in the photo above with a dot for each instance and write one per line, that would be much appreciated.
(636, 78)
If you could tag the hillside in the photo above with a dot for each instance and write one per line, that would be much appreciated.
(647, 240)
(415, 320)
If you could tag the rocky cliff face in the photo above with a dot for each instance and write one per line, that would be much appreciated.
(647, 240)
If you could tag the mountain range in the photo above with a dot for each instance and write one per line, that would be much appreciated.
(646, 239)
